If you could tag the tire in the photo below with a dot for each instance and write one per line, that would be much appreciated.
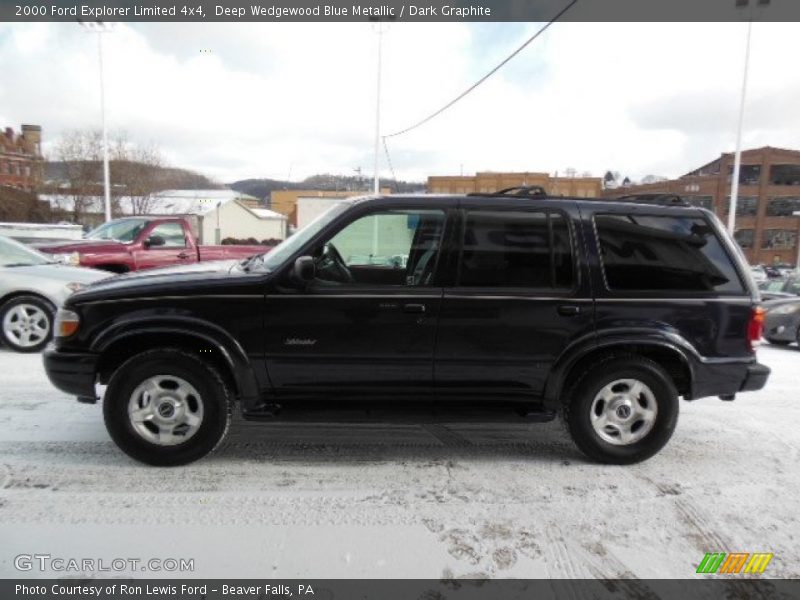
(26, 323)
(775, 342)
(167, 407)
(603, 391)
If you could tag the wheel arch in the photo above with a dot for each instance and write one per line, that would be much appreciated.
(211, 345)
(669, 356)
(18, 293)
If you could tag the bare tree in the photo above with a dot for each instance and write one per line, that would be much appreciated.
(81, 153)
(136, 173)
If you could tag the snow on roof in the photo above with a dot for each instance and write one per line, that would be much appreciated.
(168, 202)
(265, 213)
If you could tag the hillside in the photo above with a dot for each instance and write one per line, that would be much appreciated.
(56, 173)
(260, 188)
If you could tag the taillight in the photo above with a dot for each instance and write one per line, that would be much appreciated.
(755, 326)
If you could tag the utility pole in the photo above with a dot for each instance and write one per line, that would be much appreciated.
(737, 158)
(99, 27)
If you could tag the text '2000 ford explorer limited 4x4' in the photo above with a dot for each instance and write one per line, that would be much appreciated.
(506, 306)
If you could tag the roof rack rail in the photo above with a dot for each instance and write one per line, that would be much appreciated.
(519, 191)
(660, 199)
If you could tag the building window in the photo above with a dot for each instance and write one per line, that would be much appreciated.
(745, 237)
(27, 171)
(784, 175)
(783, 207)
(701, 201)
(779, 239)
(748, 174)
(746, 206)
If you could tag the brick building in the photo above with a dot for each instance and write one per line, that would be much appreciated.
(769, 194)
(21, 157)
(489, 181)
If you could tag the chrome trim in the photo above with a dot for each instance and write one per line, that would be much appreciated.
(185, 297)
(737, 300)
(566, 299)
(381, 296)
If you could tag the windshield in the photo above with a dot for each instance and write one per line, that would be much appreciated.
(123, 230)
(290, 245)
(14, 254)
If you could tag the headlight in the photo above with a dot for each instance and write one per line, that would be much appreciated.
(73, 259)
(785, 309)
(74, 286)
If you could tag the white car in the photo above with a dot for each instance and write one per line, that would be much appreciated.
(759, 274)
(32, 286)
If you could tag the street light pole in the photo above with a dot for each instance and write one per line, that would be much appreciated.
(376, 188)
(737, 159)
(99, 27)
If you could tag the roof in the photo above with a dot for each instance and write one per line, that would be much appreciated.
(167, 202)
(265, 213)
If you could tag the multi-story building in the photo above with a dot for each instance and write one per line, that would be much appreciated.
(769, 195)
(488, 181)
(21, 157)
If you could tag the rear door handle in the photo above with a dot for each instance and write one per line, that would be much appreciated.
(569, 310)
(414, 308)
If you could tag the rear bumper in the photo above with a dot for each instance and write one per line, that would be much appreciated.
(756, 378)
(71, 372)
(727, 378)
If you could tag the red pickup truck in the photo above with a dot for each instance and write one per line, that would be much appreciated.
(135, 243)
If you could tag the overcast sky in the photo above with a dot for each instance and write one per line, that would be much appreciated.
(234, 101)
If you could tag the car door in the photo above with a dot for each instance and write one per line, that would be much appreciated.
(174, 250)
(520, 296)
(372, 329)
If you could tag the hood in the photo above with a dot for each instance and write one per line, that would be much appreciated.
(172, 280)
(57, 272)
(70, 246)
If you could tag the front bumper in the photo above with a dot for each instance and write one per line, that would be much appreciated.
(71, 372)
(780, 327)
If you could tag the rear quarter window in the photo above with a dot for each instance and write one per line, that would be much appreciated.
(664, 253)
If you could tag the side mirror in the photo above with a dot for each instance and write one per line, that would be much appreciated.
(304, 269)
(154, 240)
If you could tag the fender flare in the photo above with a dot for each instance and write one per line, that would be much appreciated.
(205, 332)
(670, 341)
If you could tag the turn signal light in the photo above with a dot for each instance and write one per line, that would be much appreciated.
(67, 323)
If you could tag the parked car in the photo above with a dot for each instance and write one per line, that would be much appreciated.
(759, 274)
(508, 307)
(782, 321)
(136, 243)
(31, 287)
(779, 288)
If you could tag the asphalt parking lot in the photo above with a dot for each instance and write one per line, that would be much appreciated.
(402, 500)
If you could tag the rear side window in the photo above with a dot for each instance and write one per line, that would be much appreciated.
(516, 249)
(681, 254)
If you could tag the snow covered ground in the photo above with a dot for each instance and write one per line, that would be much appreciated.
(404, 501)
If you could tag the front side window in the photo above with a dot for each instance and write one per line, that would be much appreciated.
(516, 249)
(392, 247)
(172, 234)
(664, 253)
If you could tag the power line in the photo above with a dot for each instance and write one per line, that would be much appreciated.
(485, 77)
(391, 168)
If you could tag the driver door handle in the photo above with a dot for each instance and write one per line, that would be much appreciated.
(183, 255)
(414, 308)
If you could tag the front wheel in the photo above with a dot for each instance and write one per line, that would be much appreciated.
(622, 411)
(26, 323)
(166, 407)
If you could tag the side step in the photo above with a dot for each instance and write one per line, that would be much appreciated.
(406, 414)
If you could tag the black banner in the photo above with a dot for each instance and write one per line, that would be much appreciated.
(393, 589)
(402, 10)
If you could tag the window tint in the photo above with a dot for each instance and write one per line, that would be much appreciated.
(172, 233)
(516, 249)
(664, 253)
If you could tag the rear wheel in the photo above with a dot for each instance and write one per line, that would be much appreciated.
(26, 323)
(622, 411)
(167, 407)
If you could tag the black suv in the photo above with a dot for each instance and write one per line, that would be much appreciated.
(496, 306)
